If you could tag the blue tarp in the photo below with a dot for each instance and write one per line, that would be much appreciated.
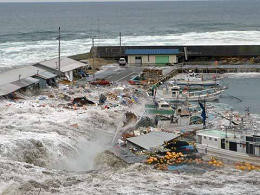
(203, 114)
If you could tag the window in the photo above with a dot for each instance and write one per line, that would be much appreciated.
(210, 138)
(148, 58)
(205, 137)
(216, 140)
(165, 106)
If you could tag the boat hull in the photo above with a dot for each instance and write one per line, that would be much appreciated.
(207, 97)
(197, 83)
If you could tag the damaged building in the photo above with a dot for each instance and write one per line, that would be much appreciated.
(68, 67)
(20, 78)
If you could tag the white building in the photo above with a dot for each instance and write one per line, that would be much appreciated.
(224, 140)
(152, 56)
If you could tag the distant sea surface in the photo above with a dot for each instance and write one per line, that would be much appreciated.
(28, 31)
(245, 87)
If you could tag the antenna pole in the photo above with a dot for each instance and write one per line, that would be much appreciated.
(59, 52)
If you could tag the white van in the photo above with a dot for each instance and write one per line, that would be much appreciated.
(122, 62)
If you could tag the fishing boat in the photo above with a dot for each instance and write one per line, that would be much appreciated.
(175, 94)
(194, 79)
(185, 117)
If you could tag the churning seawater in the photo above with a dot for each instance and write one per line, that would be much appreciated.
(29, 31)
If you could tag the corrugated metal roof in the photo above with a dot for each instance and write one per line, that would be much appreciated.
(72, 66)
(151, 51)
(15, 79)
(25, 82)
(19, 73)
(152, 139)
(8, 88)
(66, 64)
(46, 75)
(14, 86)
(214, 133)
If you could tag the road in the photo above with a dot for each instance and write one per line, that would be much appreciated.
(227, 154)
(249, 66)
(116, 73)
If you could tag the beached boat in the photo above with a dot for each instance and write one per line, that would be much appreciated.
(175, 94)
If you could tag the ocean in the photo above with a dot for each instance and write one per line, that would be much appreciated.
(29, 31)
(47, 149)
(245, 87)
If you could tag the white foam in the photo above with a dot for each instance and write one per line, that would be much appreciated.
(73, 148)
(22, 53)
(243, 75)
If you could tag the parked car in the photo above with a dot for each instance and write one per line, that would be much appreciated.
(100, 82)
(122, 62)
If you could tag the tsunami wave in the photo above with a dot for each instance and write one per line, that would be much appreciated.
(28, 52)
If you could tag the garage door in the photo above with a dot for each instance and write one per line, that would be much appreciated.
(138, 60)
(162, 60)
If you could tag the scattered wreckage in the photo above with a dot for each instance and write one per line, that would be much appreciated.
(99, 81)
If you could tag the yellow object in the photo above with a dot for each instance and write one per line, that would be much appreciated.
(242, 168)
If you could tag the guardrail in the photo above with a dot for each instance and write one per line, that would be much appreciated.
(228, 154)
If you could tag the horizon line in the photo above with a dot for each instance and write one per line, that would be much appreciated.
(102, 1)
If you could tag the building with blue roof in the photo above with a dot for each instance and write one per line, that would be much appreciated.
(154, 56)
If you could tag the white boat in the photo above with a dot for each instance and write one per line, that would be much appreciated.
(194, 79)
(172, 94)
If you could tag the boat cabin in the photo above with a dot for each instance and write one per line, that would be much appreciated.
(175, 91)
(192, 77)
(163, 105)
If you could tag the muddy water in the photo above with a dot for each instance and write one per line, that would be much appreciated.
(42, 151)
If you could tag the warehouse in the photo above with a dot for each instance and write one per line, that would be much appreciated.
(15, 79)
(221, 140)
(252, 144)
(193, 52)
(213, 138)
(67, 66)
(150, 140)
(157, 57)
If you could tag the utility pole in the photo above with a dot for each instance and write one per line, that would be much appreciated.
(120, 41)
(59, 53)
(93, 56)
(98, 31)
